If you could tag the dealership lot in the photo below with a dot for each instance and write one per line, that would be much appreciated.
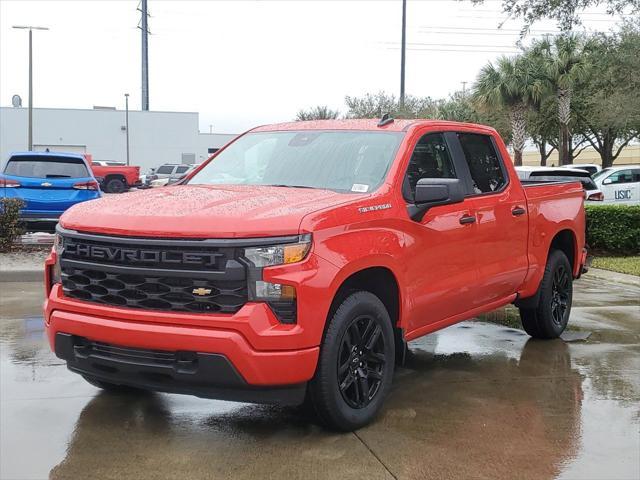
(475, 400)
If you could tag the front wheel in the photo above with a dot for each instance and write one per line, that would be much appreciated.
(356, 363)
(550, 316)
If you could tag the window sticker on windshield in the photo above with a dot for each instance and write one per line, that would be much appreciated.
(359, 187)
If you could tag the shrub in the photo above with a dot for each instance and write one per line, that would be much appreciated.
(10, 227)
(614, 228)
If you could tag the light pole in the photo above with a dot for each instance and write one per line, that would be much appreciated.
(403, 51)
(30, 28)
(126, 122)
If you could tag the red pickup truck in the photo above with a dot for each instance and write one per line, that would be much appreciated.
(298, 261)
(115, 177)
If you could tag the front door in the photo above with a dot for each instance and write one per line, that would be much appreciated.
(622, 186)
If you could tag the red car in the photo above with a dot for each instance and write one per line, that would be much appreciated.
(115, 177)
(299, 260)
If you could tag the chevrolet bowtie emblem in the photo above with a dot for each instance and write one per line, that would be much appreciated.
(201, 291)
(45, 184)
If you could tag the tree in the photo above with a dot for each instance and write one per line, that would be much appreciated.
(320, 112)
(608, 103)
(542, 127)
(376, 105)
(511, 84)
(563, 66)
(564, 12)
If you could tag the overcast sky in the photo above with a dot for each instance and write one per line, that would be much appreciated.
(242, 63)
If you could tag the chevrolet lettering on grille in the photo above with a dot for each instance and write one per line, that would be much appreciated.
(136, 255)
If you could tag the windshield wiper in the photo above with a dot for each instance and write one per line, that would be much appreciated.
(57, 176)
(288, 186)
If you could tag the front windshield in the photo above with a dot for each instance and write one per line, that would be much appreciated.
(355, 161)
(601, 173)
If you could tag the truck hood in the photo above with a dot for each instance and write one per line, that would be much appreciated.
(197, 211)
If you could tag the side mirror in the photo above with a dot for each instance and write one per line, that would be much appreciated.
(607, 181)
(439, 191)
(431, 192)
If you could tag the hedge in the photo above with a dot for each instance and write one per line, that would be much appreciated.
(10, 227)
(614, 228)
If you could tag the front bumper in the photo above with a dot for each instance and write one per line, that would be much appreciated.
(207, 375)
(249, 339)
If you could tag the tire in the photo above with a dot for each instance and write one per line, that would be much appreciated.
(115, 185)
(111, 387)
(350, 383)
(550, 316)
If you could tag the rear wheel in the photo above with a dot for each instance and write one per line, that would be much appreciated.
(550, 316)
(115, 185)
(356, 363)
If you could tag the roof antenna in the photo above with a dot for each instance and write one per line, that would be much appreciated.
(385, 120)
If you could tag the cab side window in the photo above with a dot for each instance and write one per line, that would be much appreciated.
(430, 159)
(624, 176)
(484, 165)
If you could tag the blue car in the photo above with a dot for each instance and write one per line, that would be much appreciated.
(48, 183)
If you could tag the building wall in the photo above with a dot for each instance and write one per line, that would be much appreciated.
(154, 137)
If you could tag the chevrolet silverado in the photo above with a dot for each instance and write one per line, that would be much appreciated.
(297, 262)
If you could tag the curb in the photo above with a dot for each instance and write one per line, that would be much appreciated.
(610, 276)
(35, 275)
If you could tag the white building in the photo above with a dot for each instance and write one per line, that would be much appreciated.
(154, 137)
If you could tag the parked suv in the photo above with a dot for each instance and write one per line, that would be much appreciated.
(160, 176)
(299, 260)
(48, 183)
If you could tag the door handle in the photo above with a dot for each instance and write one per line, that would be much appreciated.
(467, 219)
(517, 211)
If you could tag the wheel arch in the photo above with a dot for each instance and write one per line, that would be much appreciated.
(383, 283)
(564, 240)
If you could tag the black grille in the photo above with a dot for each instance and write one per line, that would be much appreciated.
(86, 347)
(154, 292)
(167, 275)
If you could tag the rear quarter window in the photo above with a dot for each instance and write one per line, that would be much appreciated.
(46, 167)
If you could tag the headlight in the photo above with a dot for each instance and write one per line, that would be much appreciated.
(279, 254)
(56, 271)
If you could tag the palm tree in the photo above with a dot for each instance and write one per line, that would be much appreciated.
(514, 84)
(563, 66)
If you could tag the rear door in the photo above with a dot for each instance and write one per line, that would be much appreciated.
(442, 272)
(48, 184)
(501, 223)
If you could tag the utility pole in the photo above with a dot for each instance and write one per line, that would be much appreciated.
(464, 89)
(403, 51)
(144, 27)
(30, 28)
(126, 122)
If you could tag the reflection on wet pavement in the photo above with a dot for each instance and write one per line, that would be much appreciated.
(476, 400)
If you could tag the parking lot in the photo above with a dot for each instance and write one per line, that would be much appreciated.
(475, 400)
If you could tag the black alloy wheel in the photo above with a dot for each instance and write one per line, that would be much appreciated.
(361, 361)
(560, 295)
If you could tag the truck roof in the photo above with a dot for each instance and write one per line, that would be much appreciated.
(398, 125)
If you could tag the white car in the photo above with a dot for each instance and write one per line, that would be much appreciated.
(561, 174)
(620, 185)
(592, 168)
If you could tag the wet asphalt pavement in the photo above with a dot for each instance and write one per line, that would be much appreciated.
(476, 400)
